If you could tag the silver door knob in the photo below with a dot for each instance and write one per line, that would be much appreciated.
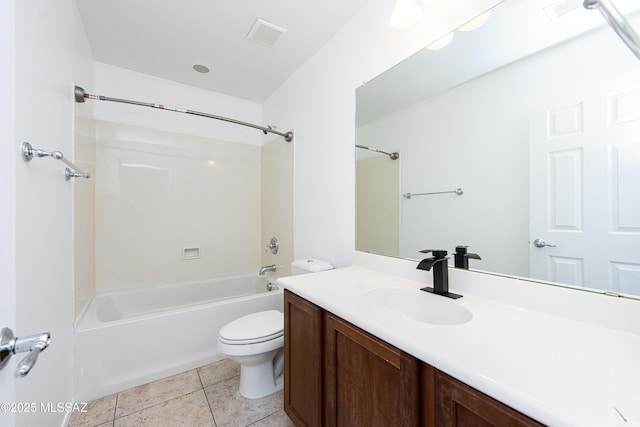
(541, 243)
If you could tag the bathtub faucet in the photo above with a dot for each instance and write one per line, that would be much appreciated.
(266, 268)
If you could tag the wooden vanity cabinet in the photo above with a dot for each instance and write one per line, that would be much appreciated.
(368, 382)
(457, 404)
(337, 374)
(303, 361)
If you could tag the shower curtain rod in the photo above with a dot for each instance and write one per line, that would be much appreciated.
(392, 156)
(81, 95)
(616, 21)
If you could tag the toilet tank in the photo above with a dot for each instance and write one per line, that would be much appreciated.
(309, 265)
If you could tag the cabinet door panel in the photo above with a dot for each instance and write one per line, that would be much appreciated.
(368, 382)
(303, 355)
(457, 404)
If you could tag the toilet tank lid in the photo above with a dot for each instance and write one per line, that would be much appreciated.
(253, 326)
(312, 265)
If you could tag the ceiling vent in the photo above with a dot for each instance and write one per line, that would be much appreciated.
(561, 8)
(265, 33)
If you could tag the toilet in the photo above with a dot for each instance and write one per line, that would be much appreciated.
(256, 342)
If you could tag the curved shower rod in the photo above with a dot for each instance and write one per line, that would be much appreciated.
(615, 19)
(392, 156)
(81, 95)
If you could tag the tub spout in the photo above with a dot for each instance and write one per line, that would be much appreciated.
(266, 268)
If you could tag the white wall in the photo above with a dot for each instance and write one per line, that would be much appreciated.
(319, 102)
(378, 205)
(8, 160)
(84, 201)
(277, 203)
(158, 193)
(51, 53)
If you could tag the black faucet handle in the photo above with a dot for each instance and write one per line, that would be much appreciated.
(437, 253)
(462, 250)
(462, 257)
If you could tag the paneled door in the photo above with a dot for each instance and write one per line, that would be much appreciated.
(584, 187)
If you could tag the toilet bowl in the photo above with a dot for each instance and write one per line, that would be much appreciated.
(256, 342)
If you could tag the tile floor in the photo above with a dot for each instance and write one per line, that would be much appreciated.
(202, 397)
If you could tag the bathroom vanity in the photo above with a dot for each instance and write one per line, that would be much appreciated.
(338, 374)
(358, 351)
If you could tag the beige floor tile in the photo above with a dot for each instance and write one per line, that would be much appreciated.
(99, 411)
(279, 419)
(146, 395)
(232, 409)
(219, 371)
(191, 410)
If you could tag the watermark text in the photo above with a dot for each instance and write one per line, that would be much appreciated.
(26, 407)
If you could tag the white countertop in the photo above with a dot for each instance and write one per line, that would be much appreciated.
(557, 370)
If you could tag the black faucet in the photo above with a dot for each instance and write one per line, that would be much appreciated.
(461, 257)
(440, 272)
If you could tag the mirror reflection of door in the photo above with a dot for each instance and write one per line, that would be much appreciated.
(584, 173)
(378, 205)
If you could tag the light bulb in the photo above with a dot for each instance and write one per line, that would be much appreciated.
(476, 22)
(405, 14)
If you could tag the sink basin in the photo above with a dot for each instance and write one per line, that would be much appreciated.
(417, 305)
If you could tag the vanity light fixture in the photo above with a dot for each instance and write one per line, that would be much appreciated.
(476, 22)
(405, 14)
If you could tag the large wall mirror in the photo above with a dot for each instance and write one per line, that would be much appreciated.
(520, 139)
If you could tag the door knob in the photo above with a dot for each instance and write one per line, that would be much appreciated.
(541, 243)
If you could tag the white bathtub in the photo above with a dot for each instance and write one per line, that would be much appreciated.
(132, 337)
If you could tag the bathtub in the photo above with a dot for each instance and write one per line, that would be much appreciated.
(132, 337)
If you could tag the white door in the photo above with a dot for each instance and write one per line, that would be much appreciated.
(584, 179)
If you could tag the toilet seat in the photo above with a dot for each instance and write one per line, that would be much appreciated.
(253, 328)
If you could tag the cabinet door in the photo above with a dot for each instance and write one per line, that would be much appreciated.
(303, 361)
(368, 382)
(457, 404)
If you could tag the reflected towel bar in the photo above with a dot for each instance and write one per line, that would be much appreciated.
(457, 191)
(28, 153)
